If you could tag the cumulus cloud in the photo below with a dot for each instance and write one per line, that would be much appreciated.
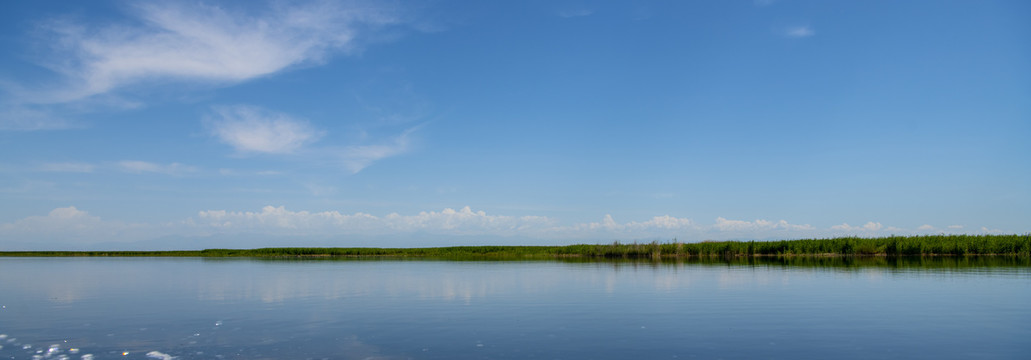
(68, 224)
(925, 227)
(869, 226)
(193, 41)
(664, 224)
(757, 225)
(250, 129)
(459, 222)
(873, 226)
(986, 230)
(62, 219)
(667, 226)
(139, 167)
(798, 32)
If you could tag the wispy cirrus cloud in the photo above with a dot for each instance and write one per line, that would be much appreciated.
(196, 42)
(250, 129)
(140, 167)
(157, 43)
(358, 157)
(799, 32)
(255, 130)
(22, 117)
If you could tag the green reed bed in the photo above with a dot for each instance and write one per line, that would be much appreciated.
(933, 245)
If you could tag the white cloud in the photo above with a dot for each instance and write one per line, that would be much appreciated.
(68, 225)
(356, 158)
(70, 213)
(673, 227)
(664, 222)
(990, 231)
(256, 130)
(139, 167)
(250, 129)
(843, 226)
(58, 220)
(21, 118)
(757, 225)
(868, 227)
(458, 222)
(925, 227)
(193, 41)
(67, 167)
(799, 32)
(955, 227)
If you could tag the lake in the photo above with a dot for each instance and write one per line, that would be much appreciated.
(203, 308)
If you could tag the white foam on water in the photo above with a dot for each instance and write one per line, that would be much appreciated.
(159, 355)
(3, 336)
(87, 357)
(73, 351)
(26, 347)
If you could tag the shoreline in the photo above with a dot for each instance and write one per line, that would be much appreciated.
(894, 246)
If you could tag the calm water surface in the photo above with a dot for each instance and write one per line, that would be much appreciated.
(159, 308)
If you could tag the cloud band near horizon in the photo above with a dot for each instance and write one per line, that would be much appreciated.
(69, 225)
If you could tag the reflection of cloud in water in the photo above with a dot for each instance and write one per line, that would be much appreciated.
(69, 280)
(341, 280)
(59, 280)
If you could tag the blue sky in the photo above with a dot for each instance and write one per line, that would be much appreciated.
(241, 124)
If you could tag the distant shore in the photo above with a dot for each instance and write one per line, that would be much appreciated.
(930, 245)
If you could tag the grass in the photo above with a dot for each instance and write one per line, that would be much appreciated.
(930, 245)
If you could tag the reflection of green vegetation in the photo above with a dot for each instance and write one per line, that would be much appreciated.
(1011, 245)
(895, 262)
(841, 262)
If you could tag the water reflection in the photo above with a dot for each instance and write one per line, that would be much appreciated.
(347, 308)
(62, 280)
